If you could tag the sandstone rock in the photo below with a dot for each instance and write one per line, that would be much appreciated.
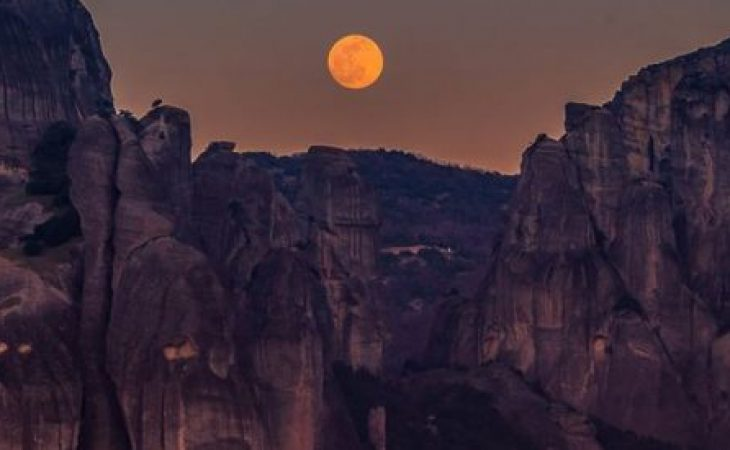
(53, 69)
(289, 326)
(136, 347)
(92, 166)
(156, 321)
(541, 423)
(607, 288)
(40, 384)
(239, 214)
(19, 216)
(376, 428)
(343, 221)
(153, 180)
(170, 354)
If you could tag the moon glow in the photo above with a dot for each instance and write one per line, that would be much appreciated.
(355, 61)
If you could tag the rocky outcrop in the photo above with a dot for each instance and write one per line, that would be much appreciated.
(540, 423)
(52, 69)
(170, 354)
(52, 75)
(239, 214)
(205, 318)
(157, 323)
(290, 328)
(92, 167)
(342, 217)
(607, 287)
(202, 308)
(300, 276)
(40, 386)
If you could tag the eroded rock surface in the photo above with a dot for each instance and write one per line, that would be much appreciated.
(202, 308)
(290, 327)
(157, 322)
(342, 216)
(239, 214)
(608, 286)
(40, 385)
(53, 70)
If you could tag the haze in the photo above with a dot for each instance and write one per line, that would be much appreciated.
(466, 81)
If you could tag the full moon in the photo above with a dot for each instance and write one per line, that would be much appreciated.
(355, 62)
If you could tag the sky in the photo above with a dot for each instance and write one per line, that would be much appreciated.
(470, 82)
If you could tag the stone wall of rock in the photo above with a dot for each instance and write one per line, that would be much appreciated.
(157, 323)
(239, 215)
(196, 314)
(300, 278)
(53, 69)
(40, 386)
(342, 220)
(608, 287)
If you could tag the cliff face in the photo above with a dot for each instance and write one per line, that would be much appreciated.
(52, 69)
(147, 302)
(343, 219)
(437, 228)
(194, 311)
(157, 328)
(609, 287)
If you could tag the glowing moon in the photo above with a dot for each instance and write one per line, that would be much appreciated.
(355, 62)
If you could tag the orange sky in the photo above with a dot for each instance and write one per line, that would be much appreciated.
(466, 81)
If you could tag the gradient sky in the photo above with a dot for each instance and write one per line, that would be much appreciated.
(466, 81)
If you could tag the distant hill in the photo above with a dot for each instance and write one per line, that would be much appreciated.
(423, 202)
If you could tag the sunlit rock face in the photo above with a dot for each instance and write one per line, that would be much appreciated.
(342, 220)
(53, 70)
(609, 285)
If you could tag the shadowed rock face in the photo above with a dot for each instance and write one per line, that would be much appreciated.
(203, 325)
(201, 310)
(53, 70)
(239, 214)
(40, 387)
(609, 287)
(343, 219)
(290, 327)
(300, 297)
(157, 323)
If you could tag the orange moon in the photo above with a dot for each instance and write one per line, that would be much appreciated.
(355, 62)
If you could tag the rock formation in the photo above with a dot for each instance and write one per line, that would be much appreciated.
(40, 388)
(152, 303)
(157, 325)
(300, 277)
(342, 218)
(608, 287)
(205, 321)
(53, 70)
(239, 214)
